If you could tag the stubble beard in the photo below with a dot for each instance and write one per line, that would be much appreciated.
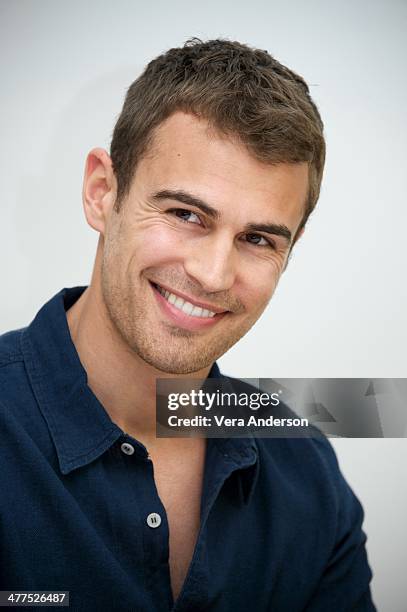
(171, 350)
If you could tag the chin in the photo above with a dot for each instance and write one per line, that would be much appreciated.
(174, 366)
(171, 361)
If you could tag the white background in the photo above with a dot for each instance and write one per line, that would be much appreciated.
(339, 310)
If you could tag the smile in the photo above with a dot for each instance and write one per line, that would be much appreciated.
(185, 306)
(185, 314)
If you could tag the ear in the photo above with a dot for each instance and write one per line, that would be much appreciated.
(99, 189)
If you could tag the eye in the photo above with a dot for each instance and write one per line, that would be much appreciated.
(185, 215)
(259, 240)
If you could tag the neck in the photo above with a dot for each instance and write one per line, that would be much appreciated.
(123, 382)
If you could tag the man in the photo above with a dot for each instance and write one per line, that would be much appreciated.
(215, 166)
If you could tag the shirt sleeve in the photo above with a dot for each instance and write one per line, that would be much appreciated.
(345, 583)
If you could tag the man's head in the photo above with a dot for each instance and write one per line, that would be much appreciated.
(216, 163)
(240, 91)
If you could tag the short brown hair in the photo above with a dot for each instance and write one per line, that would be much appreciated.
(241, 91)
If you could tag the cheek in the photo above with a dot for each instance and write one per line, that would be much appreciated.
(156, 246)
(259, 281)
(256, 293)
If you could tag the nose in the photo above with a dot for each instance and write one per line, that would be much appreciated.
(212, 263)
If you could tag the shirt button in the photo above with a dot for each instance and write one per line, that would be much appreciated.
(154, 520)
(127, 448)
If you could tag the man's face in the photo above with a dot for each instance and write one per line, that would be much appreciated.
(196, 251)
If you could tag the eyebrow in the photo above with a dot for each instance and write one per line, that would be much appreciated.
(275, 229)
(187, 198)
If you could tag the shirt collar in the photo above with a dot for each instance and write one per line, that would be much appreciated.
(80, 427)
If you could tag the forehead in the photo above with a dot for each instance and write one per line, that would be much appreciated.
(187, 154)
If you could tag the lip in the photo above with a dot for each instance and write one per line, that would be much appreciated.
(181, 319)
(185, 297)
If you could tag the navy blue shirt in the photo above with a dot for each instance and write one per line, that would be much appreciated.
(280, 527)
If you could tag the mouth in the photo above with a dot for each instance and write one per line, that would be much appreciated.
(188, 314)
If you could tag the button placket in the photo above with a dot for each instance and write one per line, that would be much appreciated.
(151, 512)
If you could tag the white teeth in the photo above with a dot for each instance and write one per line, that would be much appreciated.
(197, 311)
(187, 307)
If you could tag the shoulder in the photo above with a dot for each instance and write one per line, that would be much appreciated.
(10, 347)
(305, 458)
(14, 384)
(306, 471)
